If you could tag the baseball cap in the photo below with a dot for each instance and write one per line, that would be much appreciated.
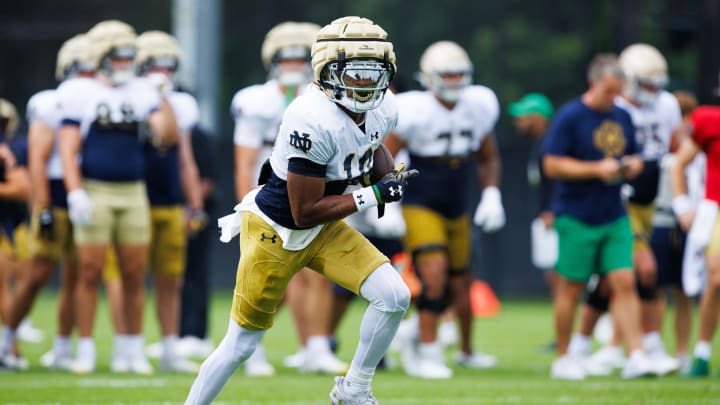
(531, 103)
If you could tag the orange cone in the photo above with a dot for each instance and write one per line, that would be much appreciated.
(483, 301)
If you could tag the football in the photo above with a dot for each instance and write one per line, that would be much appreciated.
(383, 163)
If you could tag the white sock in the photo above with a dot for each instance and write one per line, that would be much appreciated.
(579, 345)
(237, 345)
(652, 341)
(318, 345)
(7, 338)
(636, 353)
(389, 299)
(703, 350)
(62, 346)
(86, 349)
(169, 344)
(134, 347)
(258, 355)
(120, 346)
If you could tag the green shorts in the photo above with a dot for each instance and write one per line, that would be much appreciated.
(586, 249)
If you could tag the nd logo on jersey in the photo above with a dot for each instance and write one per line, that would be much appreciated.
(124, 119)
(609, 138)
(300, 141)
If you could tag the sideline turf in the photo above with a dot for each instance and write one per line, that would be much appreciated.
(515, 336)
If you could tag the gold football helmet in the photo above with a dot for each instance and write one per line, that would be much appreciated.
(646, 71)
(289, 40)
(9, 118)
(441, 59)
(354, 62)
(113, 39)
(74, 56)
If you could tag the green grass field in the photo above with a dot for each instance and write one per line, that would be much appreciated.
(515, 336)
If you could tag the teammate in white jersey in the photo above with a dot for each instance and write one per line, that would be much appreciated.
(324, 149)
(50, 239)
(105, 123)
(258, 110)
(656, 115)
(448, 131)
(169, 170)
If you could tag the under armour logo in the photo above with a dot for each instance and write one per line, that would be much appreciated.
(263, 237)
(301, 141)
(360, 200)
(395, 191)
(375, 136)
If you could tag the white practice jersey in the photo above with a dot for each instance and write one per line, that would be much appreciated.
(257, 111)
(316, 129)
(43, 107)
(88, 102)
(695, 175)
(112, 125)
(186, 111)
(429, 129)
(655, 124)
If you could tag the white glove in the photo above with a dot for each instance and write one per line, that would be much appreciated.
(161, 82)
(391, 225)
(490, 214)
(80, 207)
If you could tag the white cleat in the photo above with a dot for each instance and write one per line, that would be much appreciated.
(429, 369)
(27, 333)
(338, 395)
(477, 360)
(55, 362)
(119, 365)
(194, 347)
(595, 369)
(638, 365)
(154, 350)
(325, 363)
(82, 366)
(607, 357)
(14, 362)
(140, 365)
(295, 360)
(567, 368)
(662, 362)
(178, 365)
(447, 335)
(257, 364)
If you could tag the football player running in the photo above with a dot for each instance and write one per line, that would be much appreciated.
(322, 156)
(702, 223)
(656, 115)
(169, 171)
(104, 123)
(448, 131)
(258, 110)
(50, 239)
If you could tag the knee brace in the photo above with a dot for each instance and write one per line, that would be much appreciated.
(646, 292)
(597, 300)
(434, 305)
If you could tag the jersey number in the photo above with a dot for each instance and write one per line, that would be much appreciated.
(466, 133)
(364, 163)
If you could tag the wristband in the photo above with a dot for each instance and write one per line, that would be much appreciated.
(364, 198)
(682, 204)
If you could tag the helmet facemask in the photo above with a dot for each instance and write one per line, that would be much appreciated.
(291, 74)
(645, 91)
(357, 84)
(119, 76)
(447, 86)
(160, 71)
